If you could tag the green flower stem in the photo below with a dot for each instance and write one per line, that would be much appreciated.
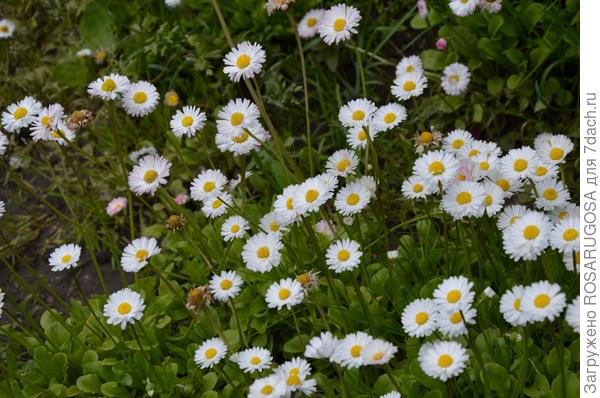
(558, 342)
(361, 299)
(478, 358)
(236, 319)
(524, 364)
(146, 354)
(402, 225)
(388, 370)
(361, 71)
(297, 324)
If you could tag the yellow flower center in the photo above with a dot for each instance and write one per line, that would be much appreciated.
(378, 356)
(295, 371)
(409, 68)
(141, 255)
(311, 195)
(362, 135)
(513, 219)
(358, 115)
(303, 279)
(243, 61)
(426, 137)
(289, 204)
(65, 259)
(520, 165)
(124, 308)
(210, 353)
(140, 97)
(343, 255)
(109, 85)
(445, 360)
(3, 28)
(550, 194)
(274, 226)
(20, 113)
(409, 85)
(255, 360)
(208, 186)
(216, 203)
(172, 99)
(343, 165)
(236, 118)
(284, 294)
(310, 22)
(389, 117)
(263, 252)
(484, 165)
(563, 214)
(461, 177)
(56, 134)
(293, 380)
(504, 184)
(463, 198)
(473, 153)
(266, 390)
(456, 317)
(422, 318)
(531, 232)
(352, 199)
(150, 176)
(355, 351)
(556, 153)
(542, 300)
(417, 188)
(226, 284)
(436, 168)
(570, 234)
(339, 24)
(241, 138)
(458, 143)
(453, 296)
(235, 228)
(488, 200)
(46, 120)
(517, 304)
(187, 121)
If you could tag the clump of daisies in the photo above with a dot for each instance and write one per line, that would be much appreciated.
(239, 130)
(410, 80)
(137, 99)
(537, 302)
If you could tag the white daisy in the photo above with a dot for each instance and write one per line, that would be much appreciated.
(116, 205)
(387, 117)
(568, 210)
(209, 183)
(237, 115)
(262, 252)
(551, 194)
(339, 23)
(343, 255)
(227, 285)
(408, 85)
(321, 346)
(20, 114)
(543, 300)
(571, 260)
(462, 8)
(419, 318)
(454, 292)
(393, 394)
(46, 121)
(509, 215)
(284, 205)
(510, 306)
(187, 121)
(4, 141)
(249, 140)
(295, 375)
(456, 77)
(410, 64)
(451, 323)
(216, 206)
(285, 293)
(494, 198)
(244, 60)
(436, 166)
(519, 163)
(416, 187)
(312, 194)
(357, 112)
(509, 185)
(555, 149)
(7, 28)
(136, 254)
(572, 315)
(234, 228)
(109, 87)
(172, 3)
(464, 199)
(352, 199)
(123, 307)
(528, 236)
(61, 134)
(456, 140)
(147, 150)
(443, 359)
(149, 174)
(491, 6)
(253, 359)
(309, 25)
(64, 257)
(565, 235)
(545, 170)
(267, 387)
(348, 353)
(140, 99)
(378, 352)
(210, 353)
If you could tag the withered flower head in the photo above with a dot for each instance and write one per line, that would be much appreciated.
(199, 297)
(100, 56)
(79, 119)
(309, 280)
(175, 222)
(427, 140)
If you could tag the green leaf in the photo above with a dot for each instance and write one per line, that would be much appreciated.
(552, 361)
(96, 27)
(539, 388)
(89, 383)
(434, 60)
(113, 389)
(495, 85)
(498, 378)
(294, 345)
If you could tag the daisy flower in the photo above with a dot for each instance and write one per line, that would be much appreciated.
(273, 223)
(147, 150)
(116, 205)
(3, 143)
(416, 187)
(410, 64)
(568, 210)
(462, 8)
(565, 235)
(312, 194)
(456, 140)
(348, 353)
(321, 346)
(436, 166)
(543, 300)
(357, 136)
(149, 174)
(216, 206)
(109, 87)
(136, 254)
(387, 117)
(285, 293)
(419, 318)
(172, 3)
(294, 374)
(237, 115)
(571, 261)
(528, 236)
(378, 352)
(325, 228)
(408, 85)
(454, 292)
(20, 114)
(451, 323)
(209, 183)
(491, 6)
(342, 163)
(393, 394)
(509, 215)
(352, 199)
(46, 121)
(7, 28)
(140, 99)
(234, 228)
(274, 5)
(123, 307)
(227, 285)
(572, 315)
(285, 206)
(187, 121)
(339, 23)
(555, 149)
(357, 112)
(267, 387)
(64, 257)
(456, 77)
(249, 140)
(464, 199)
(509, 185)
(309, 25)
(210, 353)
(252, 359)
(427, 140)
(343, 255)
(244, 60)
(542, 139)
(443, 359)
(171, 98)
(510, 306)
(545, 170)
(262, 252)
(61, 134)
(551, 193)
(494, 198)
(519, 163)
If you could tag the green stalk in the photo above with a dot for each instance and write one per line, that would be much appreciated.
(239, 325)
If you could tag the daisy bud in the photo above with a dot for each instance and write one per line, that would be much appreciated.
(441, 43)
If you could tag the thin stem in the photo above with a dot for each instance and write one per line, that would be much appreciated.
(297, 324)
(361, 299)
(237, 322)
(137, 339)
